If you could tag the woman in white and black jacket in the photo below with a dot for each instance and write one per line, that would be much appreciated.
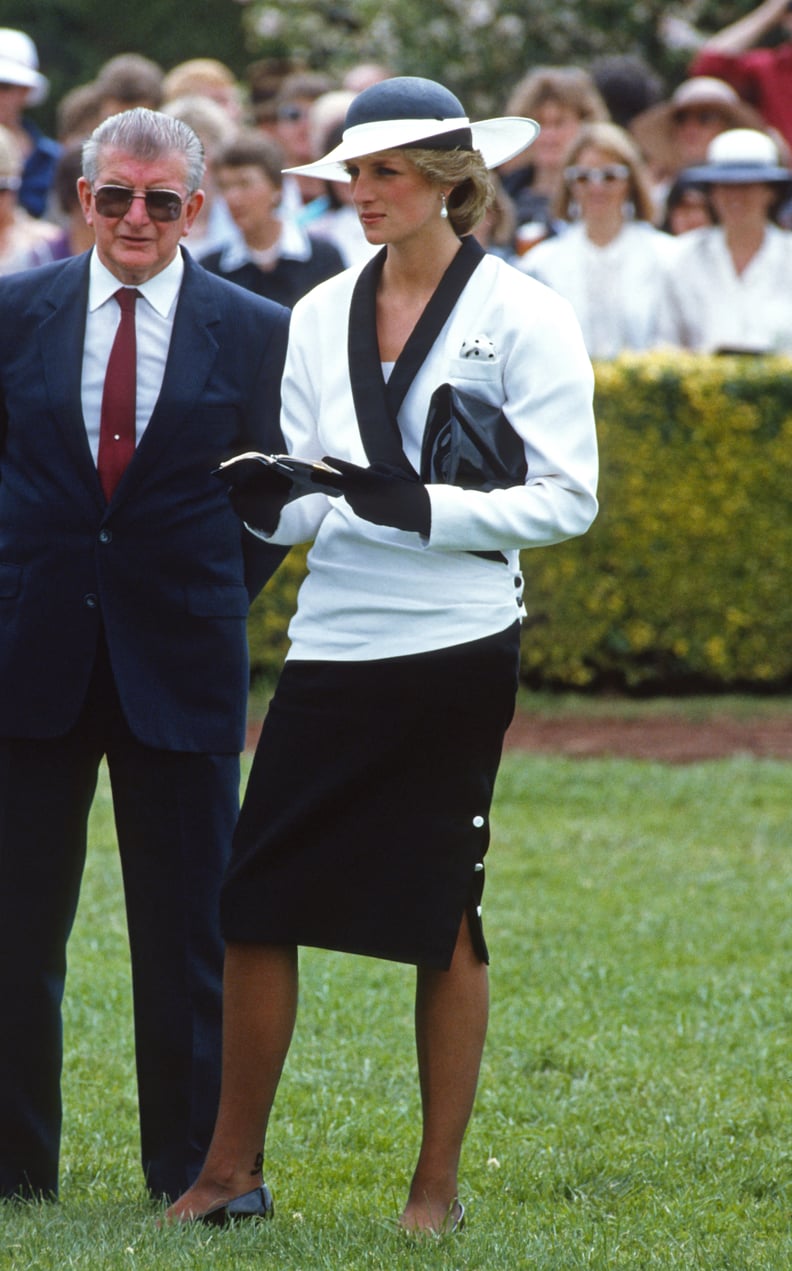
(366, 818)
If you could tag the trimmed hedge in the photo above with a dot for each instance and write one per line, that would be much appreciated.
(684, 581)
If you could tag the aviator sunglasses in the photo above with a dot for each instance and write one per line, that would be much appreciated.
(598, 176)
(116, 200)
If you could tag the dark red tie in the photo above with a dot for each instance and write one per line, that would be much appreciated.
(117, 424)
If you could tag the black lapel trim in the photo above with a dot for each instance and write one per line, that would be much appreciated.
(377, 403)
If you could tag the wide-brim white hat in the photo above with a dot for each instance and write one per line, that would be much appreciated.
(407, 111)
(741, 156)
(19, 64)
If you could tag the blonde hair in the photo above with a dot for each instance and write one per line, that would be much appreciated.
(473, 192)
(196, 76)
(615, 141)
(569, 86)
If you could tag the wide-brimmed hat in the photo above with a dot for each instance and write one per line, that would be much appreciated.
(19, 64)
(741, 156)
(653, 129)
(407, 111)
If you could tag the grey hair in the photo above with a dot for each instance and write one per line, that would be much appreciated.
(146, 134)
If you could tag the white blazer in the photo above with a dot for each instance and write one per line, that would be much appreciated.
(375, 592)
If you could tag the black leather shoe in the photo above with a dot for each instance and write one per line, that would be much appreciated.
(254, 1204)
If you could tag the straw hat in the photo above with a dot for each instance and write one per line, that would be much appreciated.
(653, 129)
(741, 156)
(410, 111)
(19, 64)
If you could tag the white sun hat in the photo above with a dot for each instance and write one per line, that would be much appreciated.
(741, 156)
(19, 64)
(407, 111)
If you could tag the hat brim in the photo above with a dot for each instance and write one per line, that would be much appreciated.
(738, 174)
(11, 72)
(497, 139)
(653, 128)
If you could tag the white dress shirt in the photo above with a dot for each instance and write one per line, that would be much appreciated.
(706, 305)
(154, 316)
(614, 290)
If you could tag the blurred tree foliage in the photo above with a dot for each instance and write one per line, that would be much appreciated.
(480, 48)
(75, 37)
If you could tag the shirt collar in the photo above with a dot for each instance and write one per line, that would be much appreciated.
(293, 244)
(160, 291)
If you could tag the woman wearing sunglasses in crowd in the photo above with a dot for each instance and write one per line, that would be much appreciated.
(608, 263)
(366, 818)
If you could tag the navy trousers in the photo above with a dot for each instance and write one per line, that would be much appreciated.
(174, 814)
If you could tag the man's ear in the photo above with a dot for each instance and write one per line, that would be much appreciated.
(86, 199)
(192, 207)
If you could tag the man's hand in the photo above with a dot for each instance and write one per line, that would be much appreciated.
(258, 493)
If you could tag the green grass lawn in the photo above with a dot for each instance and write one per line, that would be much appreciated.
(634, 1107)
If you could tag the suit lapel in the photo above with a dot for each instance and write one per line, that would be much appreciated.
(61, 336)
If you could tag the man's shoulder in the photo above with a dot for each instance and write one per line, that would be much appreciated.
(233, 299)
(38, 280)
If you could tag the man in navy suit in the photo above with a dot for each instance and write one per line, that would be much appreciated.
(123, 636)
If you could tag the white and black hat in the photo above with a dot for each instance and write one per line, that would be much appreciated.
(741, 156)
(407, 111)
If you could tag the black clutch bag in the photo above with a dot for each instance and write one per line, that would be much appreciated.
(469, 443)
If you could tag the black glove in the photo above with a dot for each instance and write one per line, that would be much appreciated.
(258, 492)
(383, 495)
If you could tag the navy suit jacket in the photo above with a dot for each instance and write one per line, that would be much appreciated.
(166, 567)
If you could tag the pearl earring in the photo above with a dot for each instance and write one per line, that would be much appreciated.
(443, 208)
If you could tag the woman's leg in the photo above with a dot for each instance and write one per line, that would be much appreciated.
(451, 1011)
(259, 1010)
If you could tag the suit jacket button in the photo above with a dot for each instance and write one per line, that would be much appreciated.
(105, 536)
(90, 601)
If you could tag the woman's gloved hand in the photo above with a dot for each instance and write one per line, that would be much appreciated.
(382, 495)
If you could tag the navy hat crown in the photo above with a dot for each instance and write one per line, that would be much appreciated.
(403, 97)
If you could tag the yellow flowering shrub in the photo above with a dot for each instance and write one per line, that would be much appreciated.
(685, 578)
(271, 613)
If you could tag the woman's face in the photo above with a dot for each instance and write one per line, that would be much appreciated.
(692, 211)
(694, 128)
(394, 201)
(599, 183)
(750, 203)
(251, 196)
(560, 126)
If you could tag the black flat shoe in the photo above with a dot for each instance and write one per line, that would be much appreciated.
(254, 1204)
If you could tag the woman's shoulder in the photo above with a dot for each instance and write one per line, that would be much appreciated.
(513, 276)
(693, 247)
(331, 296)
(559, 248)
(528, 307)
(647, 237)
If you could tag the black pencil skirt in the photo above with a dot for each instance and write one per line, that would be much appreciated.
(365, 822)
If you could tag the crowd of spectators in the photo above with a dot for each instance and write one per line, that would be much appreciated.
(662, 214)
